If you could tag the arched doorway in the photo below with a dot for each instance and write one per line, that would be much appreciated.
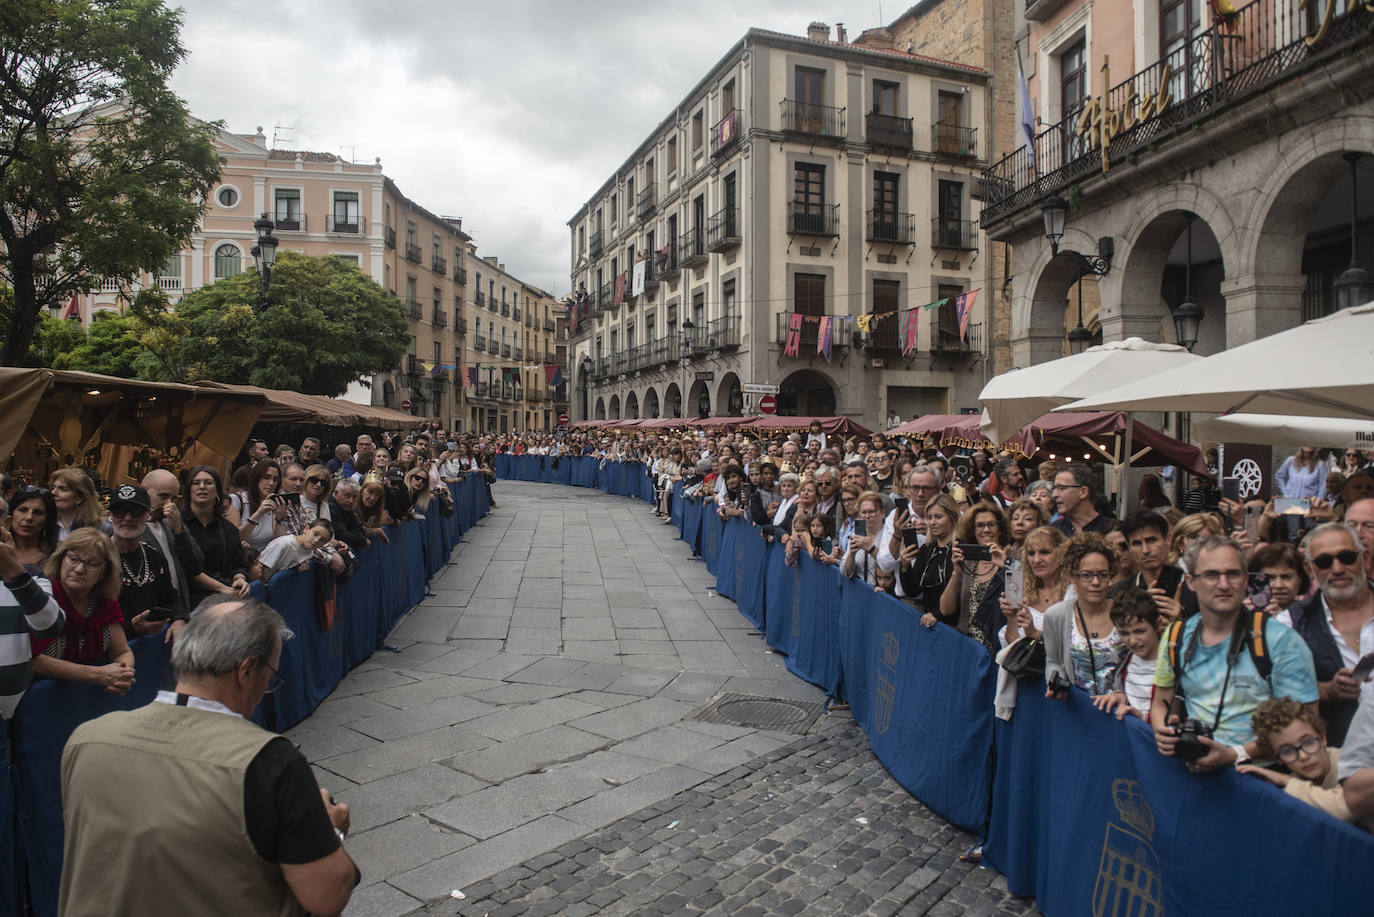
(615, 407)
(1175, 257)
(806, 393)
(600, 409)
(699, 400)
(672, 401)
(729, 399)
(651, 403)
(632, 406)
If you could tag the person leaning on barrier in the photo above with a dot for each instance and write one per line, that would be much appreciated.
(1221, 684)
(214, 815)
(26, 607)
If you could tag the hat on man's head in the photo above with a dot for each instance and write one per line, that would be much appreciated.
(130, 495)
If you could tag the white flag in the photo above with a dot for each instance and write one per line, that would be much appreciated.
(637, 282)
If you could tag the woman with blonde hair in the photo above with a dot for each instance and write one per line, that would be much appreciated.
(1044, 584)
(84, 571)
(315, 495)
(77, 503)
(1189, 529)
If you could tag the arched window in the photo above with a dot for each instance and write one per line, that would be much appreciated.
(228, 261)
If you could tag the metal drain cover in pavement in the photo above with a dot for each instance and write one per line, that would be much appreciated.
(780, 713)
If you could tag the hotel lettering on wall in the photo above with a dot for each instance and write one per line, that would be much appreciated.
(1098, 124)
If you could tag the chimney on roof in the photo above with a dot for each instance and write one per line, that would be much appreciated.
(879, 38)
(840, 34)
(818, 31)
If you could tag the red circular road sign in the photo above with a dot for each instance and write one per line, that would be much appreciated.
(405, 405)
(768, 404)
(563, 419)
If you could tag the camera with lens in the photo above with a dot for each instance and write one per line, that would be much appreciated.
(1190, 734)
(1058, 685)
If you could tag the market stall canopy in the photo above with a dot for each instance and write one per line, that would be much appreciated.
(937, 428)
(1321, 368)
(294, 407)
(1015, 398)
(1281, 430)
(841, 426)
(726, 424)
(74, 411)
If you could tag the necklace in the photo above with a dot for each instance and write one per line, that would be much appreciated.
(143, 576)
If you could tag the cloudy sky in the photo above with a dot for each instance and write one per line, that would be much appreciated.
(509, 114)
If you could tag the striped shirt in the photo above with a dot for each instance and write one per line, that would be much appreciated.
(26, 606)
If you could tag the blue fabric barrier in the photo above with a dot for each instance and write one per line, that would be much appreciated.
(46, 718)
(691, 524)
(586, 472)
(504, 465)
(739, 571)
(675, 508)
(924, 698)
(712, 530)
(815, 653)
(1147, 836)
(11, 861)
(312, 664)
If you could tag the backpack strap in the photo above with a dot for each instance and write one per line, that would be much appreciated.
(1259, 647)
(1172, 637)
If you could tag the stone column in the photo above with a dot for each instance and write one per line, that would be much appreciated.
(1258, 305)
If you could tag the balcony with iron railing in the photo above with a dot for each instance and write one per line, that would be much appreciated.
(718, 334)
(346, 223)
(412, 365)
(460, 274)
(818, 121)
(890, 226)
(604, 294)
(390, 237)
(439, 318)
(889, 132)
(438, 264)
(648, 199)
(807, 219)
(479, 342)
(479, 299)
(517, 352)
(289, 221)
(945, 337)
(619, 363)
(601, 368)
(413, 252)
(692, 248)
(722, 230)
(416, 310)
(595, 245)
(548, 325)
(726, 132)
(1239, 57)
(810, 332)
(482, 390)
(505, 309)
(460, 325)
(954, 140)
(667, 260)
(505, 351)
(651, 280)
(959, 235)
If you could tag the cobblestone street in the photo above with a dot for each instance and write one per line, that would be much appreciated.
(527, 738)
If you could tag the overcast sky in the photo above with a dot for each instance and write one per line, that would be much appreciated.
(509, 114)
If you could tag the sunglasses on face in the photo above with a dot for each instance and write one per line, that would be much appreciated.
(320, 481)
(1346, 557)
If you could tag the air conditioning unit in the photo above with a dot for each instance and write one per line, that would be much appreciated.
(877, 363)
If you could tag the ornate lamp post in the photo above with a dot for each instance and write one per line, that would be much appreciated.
(264, 256)
(1054, 211)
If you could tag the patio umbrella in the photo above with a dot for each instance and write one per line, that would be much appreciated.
(1321, 368)
(1279, 430)
(1014, 399)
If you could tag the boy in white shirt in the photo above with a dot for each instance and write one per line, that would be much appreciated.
(1136, 618)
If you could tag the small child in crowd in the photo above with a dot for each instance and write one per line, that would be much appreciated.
(1136, 618)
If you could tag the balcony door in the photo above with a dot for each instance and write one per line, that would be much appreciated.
(885, 206)
(1180, 22)
(808, 297)
(951, 204)
(1073, 95)
(808, 195)
(949, 123)
(810, 100)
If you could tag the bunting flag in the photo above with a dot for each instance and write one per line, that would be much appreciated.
(472, 376)
(963, 307)
(909, 323)
(865, 322)
(794, 324)
(72, 310)
(553, 374)
(637, 285)
(935, 305)
(825, 336)
(1023, 103)
(619, 289)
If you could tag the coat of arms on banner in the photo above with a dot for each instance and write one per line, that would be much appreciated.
(1128, 876)
(796, 600)
(885, 687)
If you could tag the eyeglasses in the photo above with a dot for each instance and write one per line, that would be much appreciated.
(275, 682)
(1093, 576)
(320, 481)
(82, 563)
(1289, 754)
(1213, 577)
(987, 525)
(1346, 557)
(134, 511)
(1067, 486)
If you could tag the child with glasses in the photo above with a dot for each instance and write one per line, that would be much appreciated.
(1295, 735)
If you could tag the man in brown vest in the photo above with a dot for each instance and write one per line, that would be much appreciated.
(186, 807)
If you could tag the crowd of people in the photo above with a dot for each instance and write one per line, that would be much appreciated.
(1235, 629)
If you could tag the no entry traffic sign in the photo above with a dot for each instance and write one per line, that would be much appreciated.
(768, 404)
(405, 405)
(563, 419)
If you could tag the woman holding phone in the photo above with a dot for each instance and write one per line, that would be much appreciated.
(1041, 585)
(861, 555)
(1082, 646)
(970, 600)
(925, 568)
(257, 511)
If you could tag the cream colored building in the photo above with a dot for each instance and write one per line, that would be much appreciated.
(801, 176)
(323, 205)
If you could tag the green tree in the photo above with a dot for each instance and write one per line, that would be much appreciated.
(328, 325)
(109, 347)
(103, 173)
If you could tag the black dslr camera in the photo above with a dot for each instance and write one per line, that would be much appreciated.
(1190, 734)
(1059, 686)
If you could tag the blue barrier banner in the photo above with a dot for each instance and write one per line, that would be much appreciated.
(816, 653)
(312, 663)
(360, 604)
(675, 508)
(751, 557)
(782, 601)
(691, 524)
(46, 717)
(586, 472)
(505, 465)
(924, 698)
(567, 466)
(1147, 836)
(712, 531)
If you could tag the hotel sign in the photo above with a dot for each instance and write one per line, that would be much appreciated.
(1098, 124)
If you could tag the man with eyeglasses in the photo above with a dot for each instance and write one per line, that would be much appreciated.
(880, 469)
(1220, 685)
(224, 798)
(921, 485)
(1073, 498)
(148, 596)
(1337, 623)
(1360, 517)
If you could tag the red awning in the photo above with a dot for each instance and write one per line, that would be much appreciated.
(841, 426)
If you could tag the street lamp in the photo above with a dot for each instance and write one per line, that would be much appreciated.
(1054, 211)
(1355, 286)
(1188, 316)
(586, 367)
(264, 256)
